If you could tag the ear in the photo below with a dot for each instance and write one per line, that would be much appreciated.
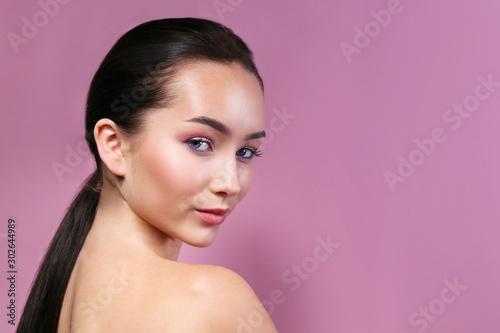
(110, 145)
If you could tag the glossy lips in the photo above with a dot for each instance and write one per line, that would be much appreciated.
(213, 216)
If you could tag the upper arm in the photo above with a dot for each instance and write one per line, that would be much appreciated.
(233, 305)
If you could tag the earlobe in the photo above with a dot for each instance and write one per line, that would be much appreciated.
(110, 146)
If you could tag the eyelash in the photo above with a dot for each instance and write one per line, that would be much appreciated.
(255, 152)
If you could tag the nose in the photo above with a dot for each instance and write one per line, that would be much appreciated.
(226, 181)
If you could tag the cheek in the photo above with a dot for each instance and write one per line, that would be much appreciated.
(245, 177)
(172, 170)
(162, 178)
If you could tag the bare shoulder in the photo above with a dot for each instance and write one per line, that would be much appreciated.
(158, 295)
(218, 300)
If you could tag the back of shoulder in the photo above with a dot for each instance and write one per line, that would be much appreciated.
(220, 300)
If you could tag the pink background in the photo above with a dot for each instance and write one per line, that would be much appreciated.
(323, 171)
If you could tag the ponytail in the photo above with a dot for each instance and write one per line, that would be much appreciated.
(44, 303)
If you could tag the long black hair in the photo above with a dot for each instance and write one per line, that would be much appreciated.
(133, 78)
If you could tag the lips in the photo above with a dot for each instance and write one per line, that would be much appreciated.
(213, 216)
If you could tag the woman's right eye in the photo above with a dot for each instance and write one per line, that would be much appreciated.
(199, 144)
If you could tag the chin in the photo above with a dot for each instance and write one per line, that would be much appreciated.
(202, 241)
(201, 244)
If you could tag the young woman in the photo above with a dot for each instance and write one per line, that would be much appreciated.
(174, 120)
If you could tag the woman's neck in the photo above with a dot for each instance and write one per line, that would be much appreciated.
(116, 227)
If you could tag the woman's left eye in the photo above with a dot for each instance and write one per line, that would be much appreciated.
(249, 153)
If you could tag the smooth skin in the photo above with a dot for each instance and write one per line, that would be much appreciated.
(127, 278)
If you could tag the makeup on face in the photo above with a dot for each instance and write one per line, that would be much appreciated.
(196, 159)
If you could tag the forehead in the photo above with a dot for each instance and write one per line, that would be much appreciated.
(227, 92)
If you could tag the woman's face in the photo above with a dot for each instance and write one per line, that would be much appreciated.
(184, 162)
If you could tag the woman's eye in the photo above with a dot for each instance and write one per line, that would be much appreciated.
(203, 145)
(199, 144)
(249, 153)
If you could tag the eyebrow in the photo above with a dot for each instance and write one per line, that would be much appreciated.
(217, 125)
